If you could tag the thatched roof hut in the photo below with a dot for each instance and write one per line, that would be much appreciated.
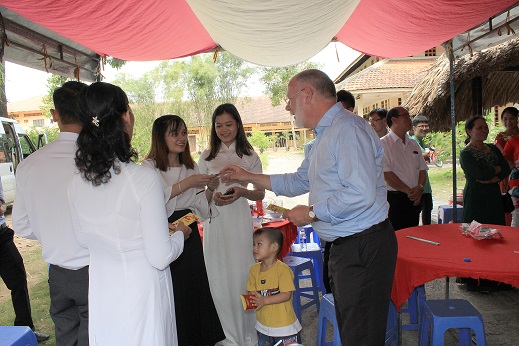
(498, 68)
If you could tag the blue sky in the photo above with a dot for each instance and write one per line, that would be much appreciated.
(23, 83)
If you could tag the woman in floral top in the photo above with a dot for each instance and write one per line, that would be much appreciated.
(484, 167)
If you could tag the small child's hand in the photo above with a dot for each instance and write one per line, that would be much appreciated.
(259, 300)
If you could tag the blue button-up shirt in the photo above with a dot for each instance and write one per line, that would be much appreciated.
(343, 172)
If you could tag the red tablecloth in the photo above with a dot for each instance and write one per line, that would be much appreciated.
(288, 228)
(419, 262)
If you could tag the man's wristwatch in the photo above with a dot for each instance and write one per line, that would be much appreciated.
(311, 213)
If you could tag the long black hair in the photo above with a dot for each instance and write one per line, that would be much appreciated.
(243, 147)
(159, 149)
(102, 140)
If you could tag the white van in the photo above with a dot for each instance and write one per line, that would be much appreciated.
(15, 145)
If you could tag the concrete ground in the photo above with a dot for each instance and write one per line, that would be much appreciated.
(500, 310)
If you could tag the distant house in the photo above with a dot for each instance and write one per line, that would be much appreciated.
(28, 112)
(384, 83)
(258, 114)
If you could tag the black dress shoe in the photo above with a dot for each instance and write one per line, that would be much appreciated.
(41, 336)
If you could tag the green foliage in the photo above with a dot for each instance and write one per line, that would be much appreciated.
(259, 140)
(115, 63)
(54, 81)
(442, 141)
(275, 79)
(191, 88)
(264, 158)
(52, 133)
(441, 181)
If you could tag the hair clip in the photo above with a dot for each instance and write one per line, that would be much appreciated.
(95, 121)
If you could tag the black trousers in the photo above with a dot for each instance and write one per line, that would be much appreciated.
(427, 206)
(402, 212)
(326, 260)
(69, 305)
(361, 269)
(13, 273)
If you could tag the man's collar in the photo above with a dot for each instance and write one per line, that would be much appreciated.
(329, 116)
(395, 137)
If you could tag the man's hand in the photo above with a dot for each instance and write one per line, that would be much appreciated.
(415, 195)
(299, 215)
(234, 173)
(3, 208)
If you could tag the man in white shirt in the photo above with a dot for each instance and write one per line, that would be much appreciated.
(404, 170)
(41, 211)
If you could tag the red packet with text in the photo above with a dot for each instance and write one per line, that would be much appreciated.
(186, 220)
(277, 208)
(247, 301)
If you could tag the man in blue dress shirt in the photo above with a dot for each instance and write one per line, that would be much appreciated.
(343, 174)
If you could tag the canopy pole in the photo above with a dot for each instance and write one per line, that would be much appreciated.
(453, 129)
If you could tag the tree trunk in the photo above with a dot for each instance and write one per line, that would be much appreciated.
(3, 98)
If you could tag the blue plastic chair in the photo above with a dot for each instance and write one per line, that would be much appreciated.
(298, 265)
(414, 304)
(392, 333)
(313, 252)
(327, 313)
(440, 315)
(17, 336)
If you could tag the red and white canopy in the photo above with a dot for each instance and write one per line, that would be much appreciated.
(265, 32)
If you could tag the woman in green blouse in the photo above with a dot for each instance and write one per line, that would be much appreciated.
(484, 167)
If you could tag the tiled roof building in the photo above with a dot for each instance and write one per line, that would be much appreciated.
(384, 83)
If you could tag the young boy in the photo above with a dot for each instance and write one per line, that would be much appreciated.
(271, 281)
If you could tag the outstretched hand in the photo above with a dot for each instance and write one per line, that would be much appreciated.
(233, 173)
(198, 181)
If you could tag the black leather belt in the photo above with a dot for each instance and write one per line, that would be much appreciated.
(374, 228)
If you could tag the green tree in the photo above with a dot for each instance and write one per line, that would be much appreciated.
(52, 133)
(275, 79)
(3, 97)
(442, 141)
(142, 96)
(190, 88)
(203, 84)
(54, 81)
(259, 140)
